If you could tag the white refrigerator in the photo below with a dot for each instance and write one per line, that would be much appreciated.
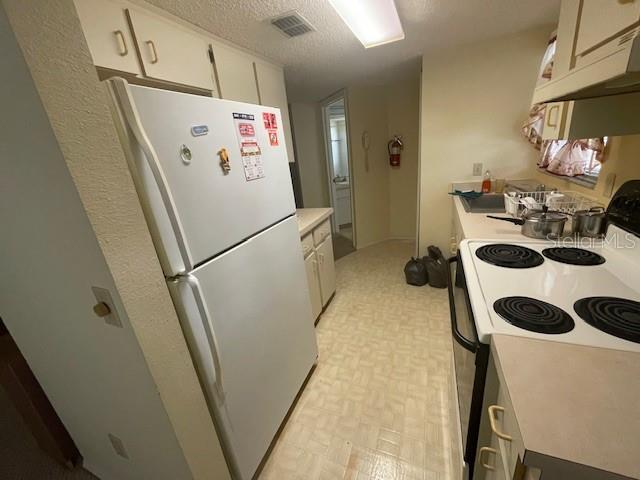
(214, 182)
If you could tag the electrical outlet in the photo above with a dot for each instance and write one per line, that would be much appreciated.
(609, 182)
(477, 169)
(118, 446)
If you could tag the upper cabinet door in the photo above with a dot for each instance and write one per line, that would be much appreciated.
(169, 52)
(601, 21)
(271, 87)
(236, 77)
(107, 32)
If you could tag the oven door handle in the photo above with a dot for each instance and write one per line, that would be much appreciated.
(461, 339)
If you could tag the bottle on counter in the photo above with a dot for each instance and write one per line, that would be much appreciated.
(486, 182)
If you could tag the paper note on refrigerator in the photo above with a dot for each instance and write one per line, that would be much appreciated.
(249, 148)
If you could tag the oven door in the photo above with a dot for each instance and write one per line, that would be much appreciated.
(470, 362)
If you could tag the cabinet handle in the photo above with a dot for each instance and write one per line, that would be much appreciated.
(154, 52)
(555, 124)
(484, 463)
(492, 420)
(122, 43)
(321, 257)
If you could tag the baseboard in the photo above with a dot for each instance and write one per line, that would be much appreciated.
(371, 244)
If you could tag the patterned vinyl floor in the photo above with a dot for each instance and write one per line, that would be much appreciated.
(377, 405)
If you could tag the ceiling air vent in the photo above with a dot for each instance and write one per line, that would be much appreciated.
(292, 24)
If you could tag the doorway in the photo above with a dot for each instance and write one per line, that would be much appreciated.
(335, 116)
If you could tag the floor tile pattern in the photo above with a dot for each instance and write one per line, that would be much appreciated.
(377, 405)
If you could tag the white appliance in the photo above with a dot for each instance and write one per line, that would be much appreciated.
(556, 283)
(582, 291)
(227, 238)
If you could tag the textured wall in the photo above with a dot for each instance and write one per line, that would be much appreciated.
(367, 111)
(473, 102)
(403, 114)
(51, 39)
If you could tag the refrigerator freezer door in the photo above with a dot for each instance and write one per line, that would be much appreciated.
(257, 304)
(197, 207)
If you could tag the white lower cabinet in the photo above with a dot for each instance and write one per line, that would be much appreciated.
(313, 280)
(317, 248)
(327, 269)
(500, 445)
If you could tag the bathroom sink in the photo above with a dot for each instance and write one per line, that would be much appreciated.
(487, 203)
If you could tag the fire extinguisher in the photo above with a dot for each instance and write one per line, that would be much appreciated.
(395, 146)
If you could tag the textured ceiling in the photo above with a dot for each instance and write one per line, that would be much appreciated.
(319, 63)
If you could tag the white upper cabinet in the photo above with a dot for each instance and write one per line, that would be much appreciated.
(107, 32)
(600, 21)
(235, 73)
(598, 50)
(170, 52)
(610, 116)
(272, 91)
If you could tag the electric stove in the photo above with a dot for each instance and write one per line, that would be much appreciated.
(581, 291)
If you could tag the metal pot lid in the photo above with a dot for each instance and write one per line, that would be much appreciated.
(542, 216)
(593, 211)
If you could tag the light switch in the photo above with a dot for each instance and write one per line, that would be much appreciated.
(477, 169)
(105, 308)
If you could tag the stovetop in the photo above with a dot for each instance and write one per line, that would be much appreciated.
(555, 283)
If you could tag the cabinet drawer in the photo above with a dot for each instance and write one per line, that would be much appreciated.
(505, 431)
(321, 232)
(307, 245)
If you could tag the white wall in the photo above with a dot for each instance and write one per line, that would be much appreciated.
(366, 111)
(137, 382)
(385, 197)
(308, 139)
(403, 113)
(474, 100)
(94, 374)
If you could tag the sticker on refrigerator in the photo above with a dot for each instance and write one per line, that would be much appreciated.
(269, 120)
(273, 138)
(249, 147)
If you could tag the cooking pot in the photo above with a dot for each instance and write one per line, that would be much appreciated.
(538, 223)
(589, 223)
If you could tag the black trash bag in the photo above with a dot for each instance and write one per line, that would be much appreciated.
(437, 271)
(415, 272)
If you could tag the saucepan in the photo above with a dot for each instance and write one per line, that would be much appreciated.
(590, 223)
(538, 223)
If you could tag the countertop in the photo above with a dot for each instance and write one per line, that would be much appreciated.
(574, 402)
(310, 218)
(477, 225)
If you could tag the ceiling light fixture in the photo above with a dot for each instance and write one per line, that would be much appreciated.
(374, 22)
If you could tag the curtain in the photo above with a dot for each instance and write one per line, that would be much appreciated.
(563, 157)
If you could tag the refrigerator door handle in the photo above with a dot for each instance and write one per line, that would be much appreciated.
(210, 332)
(128, 109)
